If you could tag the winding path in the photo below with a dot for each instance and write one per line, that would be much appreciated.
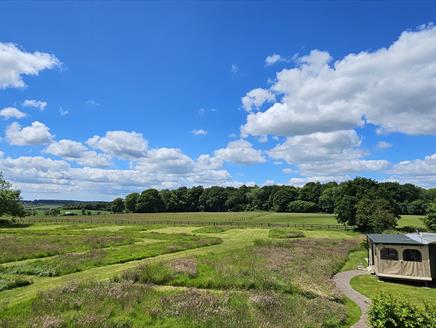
(342, 282)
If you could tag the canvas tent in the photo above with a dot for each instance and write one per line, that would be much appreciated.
(411, 256)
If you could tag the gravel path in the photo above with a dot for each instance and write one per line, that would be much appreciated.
(342, 281)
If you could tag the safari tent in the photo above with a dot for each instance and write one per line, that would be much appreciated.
(411, 256)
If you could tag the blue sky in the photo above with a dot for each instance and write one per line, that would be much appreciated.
(101, 99)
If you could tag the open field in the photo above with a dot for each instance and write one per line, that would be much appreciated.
(100, 290)
(218, 218)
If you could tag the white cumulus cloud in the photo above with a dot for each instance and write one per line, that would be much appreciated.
(240, 152)
(393, 88)
(16, 62)
(11, 112)
(35, 134)
(121, 144)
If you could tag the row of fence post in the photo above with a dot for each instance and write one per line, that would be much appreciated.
(304, 226)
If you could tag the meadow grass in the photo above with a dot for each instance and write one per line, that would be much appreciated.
(412, 221)
(291, 266)
(10, 282)
(219, 218)
(75, 262)
(370, 286)
(15, 247)
(285, 233)
(297, 293)
(212, 229)
(125, 304)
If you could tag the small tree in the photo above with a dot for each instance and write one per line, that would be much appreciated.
(118, 205)
(375, 215)
(131, 200)
(10, 200)
(430, 219)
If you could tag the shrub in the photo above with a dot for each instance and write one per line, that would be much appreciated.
(388, 311)
(302, 206)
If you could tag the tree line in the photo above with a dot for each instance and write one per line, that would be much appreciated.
(362, 202)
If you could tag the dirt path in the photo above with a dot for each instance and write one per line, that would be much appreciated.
(342, 281)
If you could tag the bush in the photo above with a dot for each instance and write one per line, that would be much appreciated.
(388, 311)
(302, 206)
(285, 233)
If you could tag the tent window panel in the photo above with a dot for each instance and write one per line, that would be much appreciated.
(389, 254)
(412, 255)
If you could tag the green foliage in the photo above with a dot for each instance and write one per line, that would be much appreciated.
(118, 205)
(52, 212)
(10, 200)
(430, 219)
(131, 200)
(302, 206)
(375, 215)
(283, 197)
(7, 282)
(388, 311)
(149, 202)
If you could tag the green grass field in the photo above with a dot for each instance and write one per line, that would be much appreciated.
(217, 218)
(370, 286)
(90, 274)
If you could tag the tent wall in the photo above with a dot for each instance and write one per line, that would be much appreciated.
(432, 251)
(403, 269)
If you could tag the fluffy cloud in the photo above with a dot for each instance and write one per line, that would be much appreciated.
(76, 151)
(393, 88)
(35, 134)
(15, 62)
(338, 145)
(419, 171)
(40, 104)
(329, 154)
(240, 152)
(256, 98)
(199, 132)
(162, 168)
(121, 144)
(11, 112)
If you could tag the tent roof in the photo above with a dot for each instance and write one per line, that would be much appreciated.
(423, 238)
(392, 239)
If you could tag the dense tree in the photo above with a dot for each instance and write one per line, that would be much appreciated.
(310, 192)
(374, 214)
(430, 219)
(131, 201)
(118, 205)
(330, 197)
(283, 197)
(149, 202)
(213, 199)
(10, 200)
(327, 199)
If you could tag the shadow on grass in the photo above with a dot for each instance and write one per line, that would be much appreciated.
(6, 223)
(411, 283)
